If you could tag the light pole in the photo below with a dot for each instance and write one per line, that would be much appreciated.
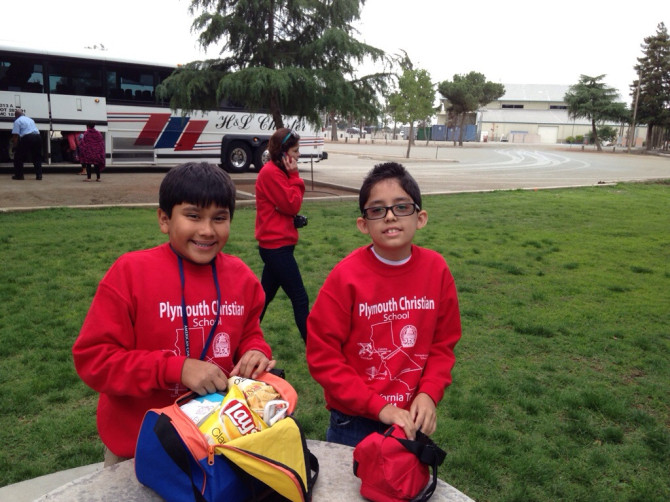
(632, 126)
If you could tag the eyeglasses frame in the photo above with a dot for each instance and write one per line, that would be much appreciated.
(414, 205)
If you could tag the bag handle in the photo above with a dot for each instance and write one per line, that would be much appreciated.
(314, 474)
(173, 446)
(427, 452)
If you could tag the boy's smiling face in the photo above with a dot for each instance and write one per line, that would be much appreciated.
(392, 235)
(196, 233)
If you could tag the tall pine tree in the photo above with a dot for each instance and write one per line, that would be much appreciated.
(286, 56)
(653, 104)
(592, 99)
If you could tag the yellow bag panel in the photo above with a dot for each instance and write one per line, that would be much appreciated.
(281, 443)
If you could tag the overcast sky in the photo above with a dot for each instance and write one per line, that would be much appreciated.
(512, 41)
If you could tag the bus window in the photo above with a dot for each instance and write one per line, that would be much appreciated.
(21, 74)
(80, 79)
(87, 81)
(162, 75)
(114, 91)
(129, 83)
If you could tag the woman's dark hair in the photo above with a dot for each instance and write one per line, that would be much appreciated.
(196, 183)
(389, 170)
(280, 142)
(90, 125)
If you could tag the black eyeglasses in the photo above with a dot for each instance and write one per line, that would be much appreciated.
(379, 212)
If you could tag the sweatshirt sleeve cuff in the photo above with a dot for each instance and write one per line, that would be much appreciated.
(173, 369)
(435, 392)
(259, 345)
(375, 406)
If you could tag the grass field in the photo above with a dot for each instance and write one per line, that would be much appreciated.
(562, 383)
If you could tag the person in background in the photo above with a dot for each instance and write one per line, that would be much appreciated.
(92, 151)
(279, 195)
(180, 316)
(77, 141)
(382, 331)
(27, 140)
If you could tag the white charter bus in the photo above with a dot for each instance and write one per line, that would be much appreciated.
(62, 92)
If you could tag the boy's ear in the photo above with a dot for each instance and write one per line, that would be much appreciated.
(362, 225)
(422, 219)
(163, 221)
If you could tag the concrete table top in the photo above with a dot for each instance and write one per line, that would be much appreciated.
(336, 482)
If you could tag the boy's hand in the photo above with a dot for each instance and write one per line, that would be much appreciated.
(423, 413)
(392, 415)
(202, 377)
(252, 364)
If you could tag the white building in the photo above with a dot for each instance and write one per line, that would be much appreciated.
(535, 113)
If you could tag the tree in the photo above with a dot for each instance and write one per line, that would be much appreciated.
(592, 99)
(653, 69)
(414, 98)
(356, 100)
(289, 57)
(468, 93)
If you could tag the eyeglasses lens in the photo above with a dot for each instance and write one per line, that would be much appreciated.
(379, 212)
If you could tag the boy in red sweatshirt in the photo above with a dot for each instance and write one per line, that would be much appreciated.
(179, 316)
(381, 334)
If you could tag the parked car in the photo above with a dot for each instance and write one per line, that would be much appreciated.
(353, 130)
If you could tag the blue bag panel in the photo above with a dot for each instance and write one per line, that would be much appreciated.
(155, 468)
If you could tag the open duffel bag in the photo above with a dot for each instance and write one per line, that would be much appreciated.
(174, 458)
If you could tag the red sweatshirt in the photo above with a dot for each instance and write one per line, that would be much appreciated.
(131, 346)
(380, 334)
(278, 200)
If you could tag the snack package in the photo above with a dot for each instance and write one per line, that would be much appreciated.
(274, 410)
(234, 418)
(199, 408)
(258, 393)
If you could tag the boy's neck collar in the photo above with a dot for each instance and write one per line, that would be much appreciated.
(393, 263)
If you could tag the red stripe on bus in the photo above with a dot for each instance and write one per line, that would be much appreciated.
(190, 135)
(152, 129)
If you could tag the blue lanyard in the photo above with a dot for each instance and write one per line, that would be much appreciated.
(183, 308)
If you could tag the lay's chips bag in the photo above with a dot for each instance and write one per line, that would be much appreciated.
(234, 418)
(258, 393)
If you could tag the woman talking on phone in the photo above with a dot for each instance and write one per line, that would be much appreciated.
(279, 194)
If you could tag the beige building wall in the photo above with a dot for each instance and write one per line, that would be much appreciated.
(530, 113)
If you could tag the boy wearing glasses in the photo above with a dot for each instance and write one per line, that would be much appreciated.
(381, 334)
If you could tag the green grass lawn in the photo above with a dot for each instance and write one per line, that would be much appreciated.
(561, 385)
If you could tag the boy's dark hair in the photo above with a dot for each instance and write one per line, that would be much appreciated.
(280, 142)
(196, 183)
(385, 171)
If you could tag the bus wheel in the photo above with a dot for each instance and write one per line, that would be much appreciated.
(261, 156)
(238, 157)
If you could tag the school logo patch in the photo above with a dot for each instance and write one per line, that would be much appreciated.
(408, 336)
(221, 345)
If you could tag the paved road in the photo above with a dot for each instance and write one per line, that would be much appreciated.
(441, 169)
(477, 167)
